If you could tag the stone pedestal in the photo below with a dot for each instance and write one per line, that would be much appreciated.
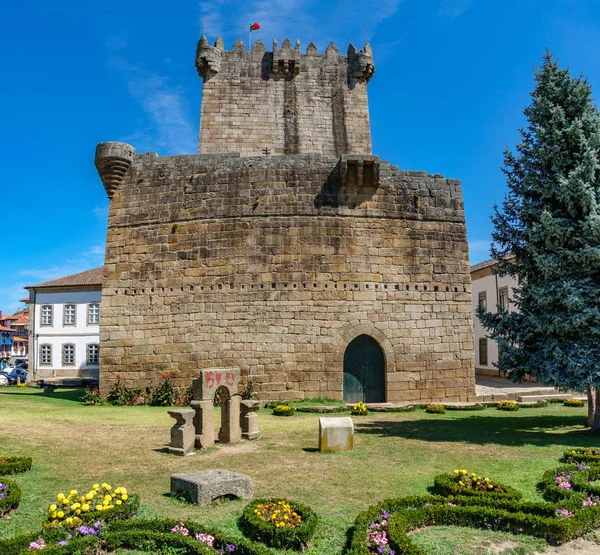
(207, 485)
(182, 433)
(249, 419)
(204, 423)
(336, 434)
(230, 421)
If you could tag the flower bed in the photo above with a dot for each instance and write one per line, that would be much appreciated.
(14, 465)
(100, 503)
(359, 409)
(151, 536)
(435, 408)
(508, 406)
(461, 482)
(283, 410)
(566, 481)
(582, 455)
(10, 496)
(279, 523)
(476, 406)
(573, 403)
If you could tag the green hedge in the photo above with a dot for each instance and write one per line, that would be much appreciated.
(12, 499)
(445, 485)
(587, 455)
(283, 410)
(14, 465)
(477, 406)
(410, 513)
(289, 538)
(148, 535)
(580, 482)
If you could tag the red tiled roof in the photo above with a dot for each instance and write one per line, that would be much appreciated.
(2, 328)
(88, 278)
(21, 339)
(483, 265)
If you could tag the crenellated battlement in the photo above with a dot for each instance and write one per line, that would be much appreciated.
(284, 101)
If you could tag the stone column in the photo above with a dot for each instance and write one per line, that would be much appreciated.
(182, 433)
(230, 421)
(204, 423)
(249, 419)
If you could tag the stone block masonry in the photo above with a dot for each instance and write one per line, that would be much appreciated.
(272, 265)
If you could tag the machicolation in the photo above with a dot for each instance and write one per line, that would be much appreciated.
(285, 248)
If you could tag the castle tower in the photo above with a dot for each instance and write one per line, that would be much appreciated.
(285, 101)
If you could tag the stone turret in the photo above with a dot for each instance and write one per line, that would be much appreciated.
(112, 161)
(284, 102)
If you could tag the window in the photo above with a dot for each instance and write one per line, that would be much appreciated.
(68, 354)
(93, 353)
(483, 355)
(46, 315)
(69, 315)
(45, 354)
(482, 301)
(503, 298)
(94, 313)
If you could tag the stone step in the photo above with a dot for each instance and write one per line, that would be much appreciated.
(536, 398)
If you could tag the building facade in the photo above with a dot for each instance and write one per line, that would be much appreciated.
(489, 291)
(285, 248)
(65, 326)
(18, 351)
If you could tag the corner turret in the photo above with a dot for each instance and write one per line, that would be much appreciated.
(112, 161)
(208, 58)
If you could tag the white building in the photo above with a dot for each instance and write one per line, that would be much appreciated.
(489, 291)
(64, 326)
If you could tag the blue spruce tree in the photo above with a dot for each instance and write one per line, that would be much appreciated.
(547, 235)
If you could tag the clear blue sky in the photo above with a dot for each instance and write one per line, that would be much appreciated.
(452, 78)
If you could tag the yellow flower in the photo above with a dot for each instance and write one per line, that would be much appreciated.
(105, 502)
(461, 483)
(69, 520)
(118, 502)
(78, 512)
(124, 497)
(85, 507)
(95, 486)
(73, 492)
(53, 514)
(60, 514)
(60, 496)
(89, 496)
(98, 507)
(456, 472)
(52, 507)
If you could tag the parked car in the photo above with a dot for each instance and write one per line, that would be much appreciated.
(3, 378)
(18, 372)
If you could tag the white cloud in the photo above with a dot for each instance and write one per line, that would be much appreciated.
(452, 9)
(479, 250)
(170, 130)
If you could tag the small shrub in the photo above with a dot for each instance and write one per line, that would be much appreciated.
(120, 395)
(91, 396)
(573, 403)
(248, 392)
(14, 465)
(508, 405)
(279, 523)
(284, 410)
(101, 503)
(435, 408)
(476, 406)
(10, 496)
(582, 455)
(360, 409)
(461, 482)
(163, 395)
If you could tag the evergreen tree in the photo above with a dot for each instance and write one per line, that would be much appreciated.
(547, 235)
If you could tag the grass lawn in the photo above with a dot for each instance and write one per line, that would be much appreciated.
(396, 454)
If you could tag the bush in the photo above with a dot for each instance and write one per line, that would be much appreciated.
(582, 455)
(152, 536)
(460, 482)
(508, 406)
(163, 395)
(91, 396)
(283, 410)
(568, 481)
(120, 395)
(258, 522)
(14, 465)
(476, 406)
(10, 496)
(573, 403)
(360, 409)
(435, 408)
(101, 503)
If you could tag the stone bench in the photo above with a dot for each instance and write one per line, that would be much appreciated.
(182, 432)
(205, 486)
(336, 434)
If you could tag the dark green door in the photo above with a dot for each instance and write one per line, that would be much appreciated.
(364, 371)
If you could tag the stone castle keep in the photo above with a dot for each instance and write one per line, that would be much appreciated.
(285, 249)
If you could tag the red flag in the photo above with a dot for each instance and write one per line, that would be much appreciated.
(254, 27)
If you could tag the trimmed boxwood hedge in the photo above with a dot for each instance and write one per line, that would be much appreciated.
(445, 485)
(580, 482)
(151, 535)
(14, 465)
(284, 410)
(12, 499)
(290, 538)
(589, 455)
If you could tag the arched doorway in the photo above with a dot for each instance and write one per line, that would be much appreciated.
(364, 371)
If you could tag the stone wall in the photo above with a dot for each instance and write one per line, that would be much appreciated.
(284, 101)
(274, 264)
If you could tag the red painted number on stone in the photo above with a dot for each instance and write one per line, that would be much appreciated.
(218, 376)
(210, 380)
(229, 378)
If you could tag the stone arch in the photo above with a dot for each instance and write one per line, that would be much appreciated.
(352, 331)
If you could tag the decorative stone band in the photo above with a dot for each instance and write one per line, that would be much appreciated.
(112, 161)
